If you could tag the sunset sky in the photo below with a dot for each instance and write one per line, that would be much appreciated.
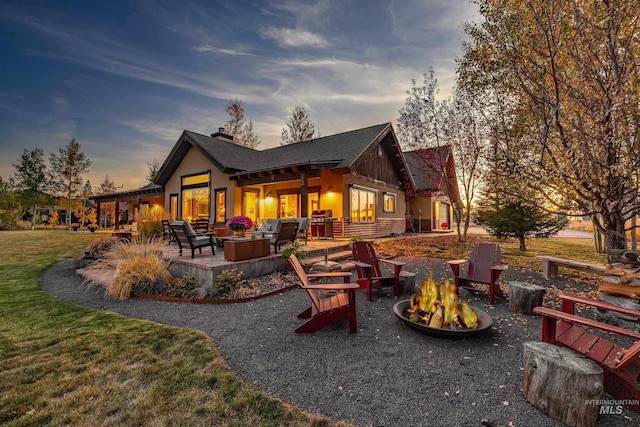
(125, 78)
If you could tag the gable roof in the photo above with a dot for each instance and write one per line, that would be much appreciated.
(334, 151)
(426, 166)
(224, 154)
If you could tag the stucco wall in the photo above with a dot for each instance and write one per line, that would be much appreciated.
(195, 162)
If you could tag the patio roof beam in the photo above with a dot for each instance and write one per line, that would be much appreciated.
(253, 179)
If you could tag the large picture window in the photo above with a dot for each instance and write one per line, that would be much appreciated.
(195, 196)
(363, 204)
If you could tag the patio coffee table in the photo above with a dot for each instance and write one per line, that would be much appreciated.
(242, 248)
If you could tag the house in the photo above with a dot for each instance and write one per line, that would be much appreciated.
(360, 176)
(436, 195)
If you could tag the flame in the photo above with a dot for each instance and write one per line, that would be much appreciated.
(469, 317)
(439, 307)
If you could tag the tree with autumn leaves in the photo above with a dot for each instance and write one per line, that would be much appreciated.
(562, 80)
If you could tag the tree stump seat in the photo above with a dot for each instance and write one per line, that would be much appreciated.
(547, 371)
(524, 297)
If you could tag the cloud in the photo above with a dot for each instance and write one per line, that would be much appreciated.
(294, 37)
(213, 49)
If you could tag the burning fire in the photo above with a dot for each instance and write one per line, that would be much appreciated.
(438, 307)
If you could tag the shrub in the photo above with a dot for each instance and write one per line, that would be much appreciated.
(150, 229)
(228, 281)
(102, 245)
(138, 265)
(204, 292)
(294, 248)
(147, 275)
(182, 287)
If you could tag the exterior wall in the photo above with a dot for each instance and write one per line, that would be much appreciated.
(195, 162)
(425, 205)
(386, 223)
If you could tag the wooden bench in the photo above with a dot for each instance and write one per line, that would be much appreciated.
(551, 264)
(621, 366)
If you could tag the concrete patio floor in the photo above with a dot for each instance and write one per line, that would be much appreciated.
(205, 266)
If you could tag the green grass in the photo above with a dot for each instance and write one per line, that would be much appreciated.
(61, 364)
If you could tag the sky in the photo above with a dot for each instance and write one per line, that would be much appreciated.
(125, 78)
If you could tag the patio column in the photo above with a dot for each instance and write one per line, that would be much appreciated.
(117, 215)
(304, 194)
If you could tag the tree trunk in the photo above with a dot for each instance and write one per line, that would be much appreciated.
(523, 246)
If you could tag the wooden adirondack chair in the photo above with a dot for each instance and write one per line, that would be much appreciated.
(483, 266)
(326, 310)
(621, 366)
(369, 272)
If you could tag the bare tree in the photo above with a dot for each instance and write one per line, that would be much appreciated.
(66, 172)
(154, 167)
(450, 128)
(238, 127)
(571, 68)
(300, 127)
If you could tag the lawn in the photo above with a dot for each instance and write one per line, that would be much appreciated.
(448, 247)
(61, 364)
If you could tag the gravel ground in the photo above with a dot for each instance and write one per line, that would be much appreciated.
(385, 375)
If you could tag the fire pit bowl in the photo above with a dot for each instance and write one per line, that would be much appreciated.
(484, 323)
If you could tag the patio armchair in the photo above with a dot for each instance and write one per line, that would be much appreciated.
(201, 225)
(278, 231)
(303, 229)
(188, 239)
(166, 231)
(286, 234)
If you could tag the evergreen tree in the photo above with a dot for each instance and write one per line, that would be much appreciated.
(505, 217)
(30, 178)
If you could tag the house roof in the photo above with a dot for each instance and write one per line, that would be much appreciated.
(341, 149)
(148, 190)
(426, 166)
(334, 151)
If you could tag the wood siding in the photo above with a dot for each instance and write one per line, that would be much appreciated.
(379, 168)
(382, 227)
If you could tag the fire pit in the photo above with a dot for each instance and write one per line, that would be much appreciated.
(484, 323)
(436, 310)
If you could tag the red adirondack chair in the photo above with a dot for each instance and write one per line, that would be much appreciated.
(369, 272)
(621, 366)
(338, 303)
(483, 266)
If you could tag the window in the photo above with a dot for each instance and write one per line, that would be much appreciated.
(173, 206)
(363, 204)
(195, 196)
(290, 202)
(389, 202)
(221, 210)
(250, 204)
